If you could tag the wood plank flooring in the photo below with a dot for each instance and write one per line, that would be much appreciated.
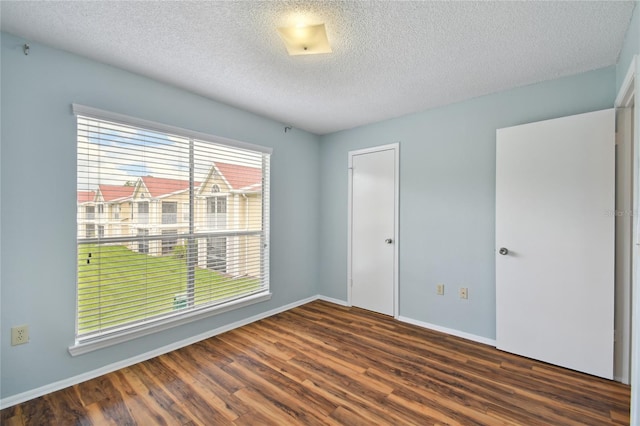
(326, 364)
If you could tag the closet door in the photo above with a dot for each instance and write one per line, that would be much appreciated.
(555, 241)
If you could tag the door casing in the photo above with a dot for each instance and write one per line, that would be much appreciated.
(625, 99)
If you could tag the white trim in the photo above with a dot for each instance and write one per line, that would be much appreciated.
(334, 301)
(164, 324)
(624, 99)
(61, 384)
(624, 248)
(91, 112)
(635, 287)
(627, 89)
(396, 291)
(349, 226)
(451, 331)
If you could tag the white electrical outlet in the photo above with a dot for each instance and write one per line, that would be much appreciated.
(464, 293)
(19, 335)
(440, 289)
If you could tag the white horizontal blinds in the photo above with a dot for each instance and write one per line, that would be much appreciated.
(167, 225)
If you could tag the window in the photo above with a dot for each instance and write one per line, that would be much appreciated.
(217, 254)
(217, 212)
(143, 212)
(128, 283)
(90, 212)
(169, 241)
(143, 243)
(169, 212)
(185, 212)
(100, 231)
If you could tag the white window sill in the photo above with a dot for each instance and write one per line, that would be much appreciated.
(132, 333)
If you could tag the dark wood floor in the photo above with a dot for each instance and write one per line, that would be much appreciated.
(325, 364)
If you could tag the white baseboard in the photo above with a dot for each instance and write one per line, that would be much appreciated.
(61, 384)
(332, 300)
(451, 331)
(621, 379)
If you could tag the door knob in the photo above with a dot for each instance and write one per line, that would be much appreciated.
(388, 241)
(503, 251)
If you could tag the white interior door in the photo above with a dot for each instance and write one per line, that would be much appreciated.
(373, 230)
(554, 215)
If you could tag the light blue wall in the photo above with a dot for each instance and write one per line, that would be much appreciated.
(630, 47)
(38, 172)
(447, 195)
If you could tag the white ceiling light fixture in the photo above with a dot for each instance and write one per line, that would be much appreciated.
(305, 40)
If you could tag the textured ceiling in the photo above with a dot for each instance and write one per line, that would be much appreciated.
(389, 58)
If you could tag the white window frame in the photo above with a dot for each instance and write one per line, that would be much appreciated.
(81, 347)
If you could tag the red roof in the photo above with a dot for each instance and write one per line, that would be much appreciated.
(241, 176)
(115, 192)
(158, 187)
(86, 196)
(238, 177)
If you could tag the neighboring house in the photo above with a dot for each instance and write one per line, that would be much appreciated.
(229, 199)
(86, 214)
(104, 212)
(227, 213)
(160, 206)
(113, 204)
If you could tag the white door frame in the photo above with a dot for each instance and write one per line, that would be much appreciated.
(626, 204)
(396, 148)
(626, 97)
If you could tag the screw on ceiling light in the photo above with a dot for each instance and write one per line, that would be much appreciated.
(25, 49)
(287, 129)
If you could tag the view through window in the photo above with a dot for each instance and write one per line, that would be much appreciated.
(167, 224)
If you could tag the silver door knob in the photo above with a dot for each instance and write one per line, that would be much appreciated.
(503, 251)
(388, 241)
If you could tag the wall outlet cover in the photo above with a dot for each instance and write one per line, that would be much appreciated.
(19, 335)
(464, 293)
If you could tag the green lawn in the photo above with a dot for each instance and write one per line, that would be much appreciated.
(135, 286)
